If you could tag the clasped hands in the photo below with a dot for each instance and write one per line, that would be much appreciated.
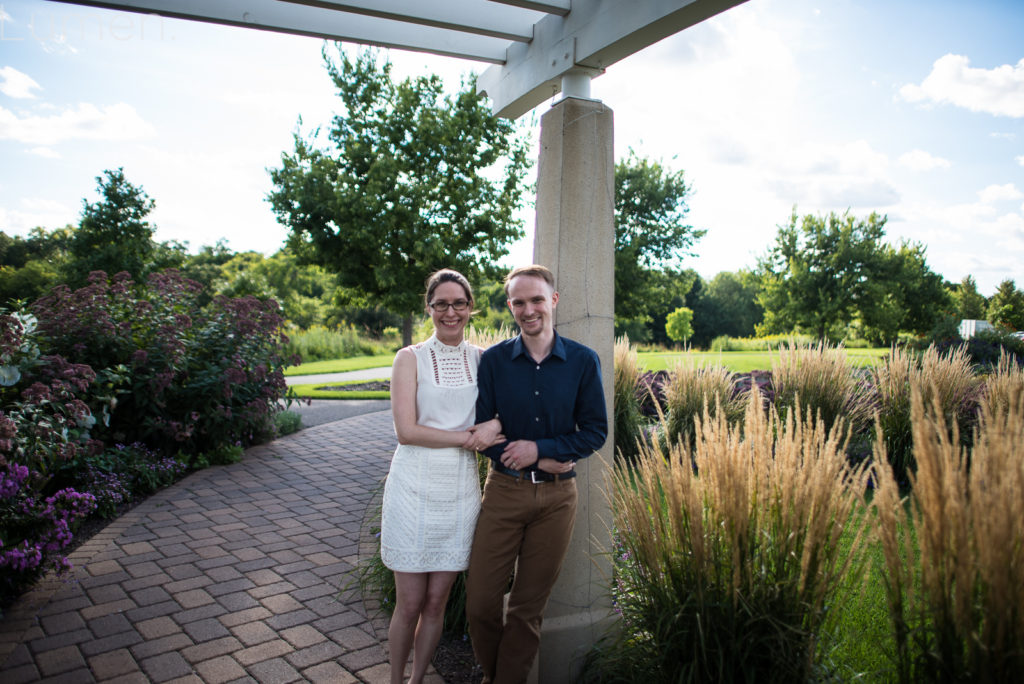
(483, 435)
(522, 453)
(518, 455)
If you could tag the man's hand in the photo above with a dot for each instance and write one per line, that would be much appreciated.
(550, 465)
(519, 454)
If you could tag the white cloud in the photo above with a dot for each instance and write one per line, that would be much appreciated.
(46, 152)
(998, 91)
(86, 122)
(14, 83)
(997, 193)
(33, 212)
(919, 160)
(1020, 159)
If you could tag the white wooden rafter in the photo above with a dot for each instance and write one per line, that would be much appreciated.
(531, 44)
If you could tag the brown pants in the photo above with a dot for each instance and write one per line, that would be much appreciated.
(531, 522)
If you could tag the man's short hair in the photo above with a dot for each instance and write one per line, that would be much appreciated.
(535, 270)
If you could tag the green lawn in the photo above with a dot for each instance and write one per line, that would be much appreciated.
(738, 361)
(341, 365)
(311, 391)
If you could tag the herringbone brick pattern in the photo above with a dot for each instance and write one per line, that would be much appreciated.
(240, 573)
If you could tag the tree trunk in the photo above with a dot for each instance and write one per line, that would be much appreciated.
(407, 330)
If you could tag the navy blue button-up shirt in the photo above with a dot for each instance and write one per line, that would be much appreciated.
(557, 403)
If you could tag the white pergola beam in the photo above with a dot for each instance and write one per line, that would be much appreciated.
(593, 36)
(559, 7)
(533, 44)
(320, 22)
(471, 16)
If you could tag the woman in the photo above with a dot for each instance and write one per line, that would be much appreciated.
(432, 494)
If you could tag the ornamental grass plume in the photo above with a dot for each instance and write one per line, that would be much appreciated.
(629, 423)
(956, 585)
(821, 378)
(487, 337)
(1004, 386)
(693, 389)
(946, 378)
(730, 552)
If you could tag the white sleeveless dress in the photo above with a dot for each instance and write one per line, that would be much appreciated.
(432, 496)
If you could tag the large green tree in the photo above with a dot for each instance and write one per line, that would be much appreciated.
(1006, 306)
(651, 237)
(969, 303)
(818, 273)
(30, 266)
(414, 180)
(113, 234)
(726, 305)
(903, 295)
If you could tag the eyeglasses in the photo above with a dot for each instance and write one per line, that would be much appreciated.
(459, 305)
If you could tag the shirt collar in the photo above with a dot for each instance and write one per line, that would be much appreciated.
(557, 349)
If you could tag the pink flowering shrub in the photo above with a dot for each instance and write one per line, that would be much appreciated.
(115, 363)
(178, 378)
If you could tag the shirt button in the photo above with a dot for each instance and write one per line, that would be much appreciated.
(538, 367)
(536, 392)
(537, 420)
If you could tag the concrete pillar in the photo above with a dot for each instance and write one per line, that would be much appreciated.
(575, 238)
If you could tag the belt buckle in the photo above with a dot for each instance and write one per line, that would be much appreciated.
(533, 477)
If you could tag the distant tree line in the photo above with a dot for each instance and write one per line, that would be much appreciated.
(411, 179)
(832, 276)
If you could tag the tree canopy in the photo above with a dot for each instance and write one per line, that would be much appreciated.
(818, 271)
(1006, 307)
(651, 237)
(113, 234)
(415, 180)
(678, 324)
(824, 272)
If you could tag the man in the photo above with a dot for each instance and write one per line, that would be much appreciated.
(547, 392)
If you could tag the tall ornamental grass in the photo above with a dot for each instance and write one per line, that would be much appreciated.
(821, 379)
(692, 390)
(956, 587)
(487, 337)
(320, 343)
(730, 553)
(629, 423)
(943, 377)
(1003, 386)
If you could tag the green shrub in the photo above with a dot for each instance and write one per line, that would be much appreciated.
(287, 422)
(326, 344)
(222, 455)
(767, 343)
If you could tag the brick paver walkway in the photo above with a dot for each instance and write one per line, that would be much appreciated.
(240, 573)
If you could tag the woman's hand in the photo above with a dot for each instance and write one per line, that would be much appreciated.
(550, 465)
(484, 435)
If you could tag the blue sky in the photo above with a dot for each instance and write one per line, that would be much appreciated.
(911, 109)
